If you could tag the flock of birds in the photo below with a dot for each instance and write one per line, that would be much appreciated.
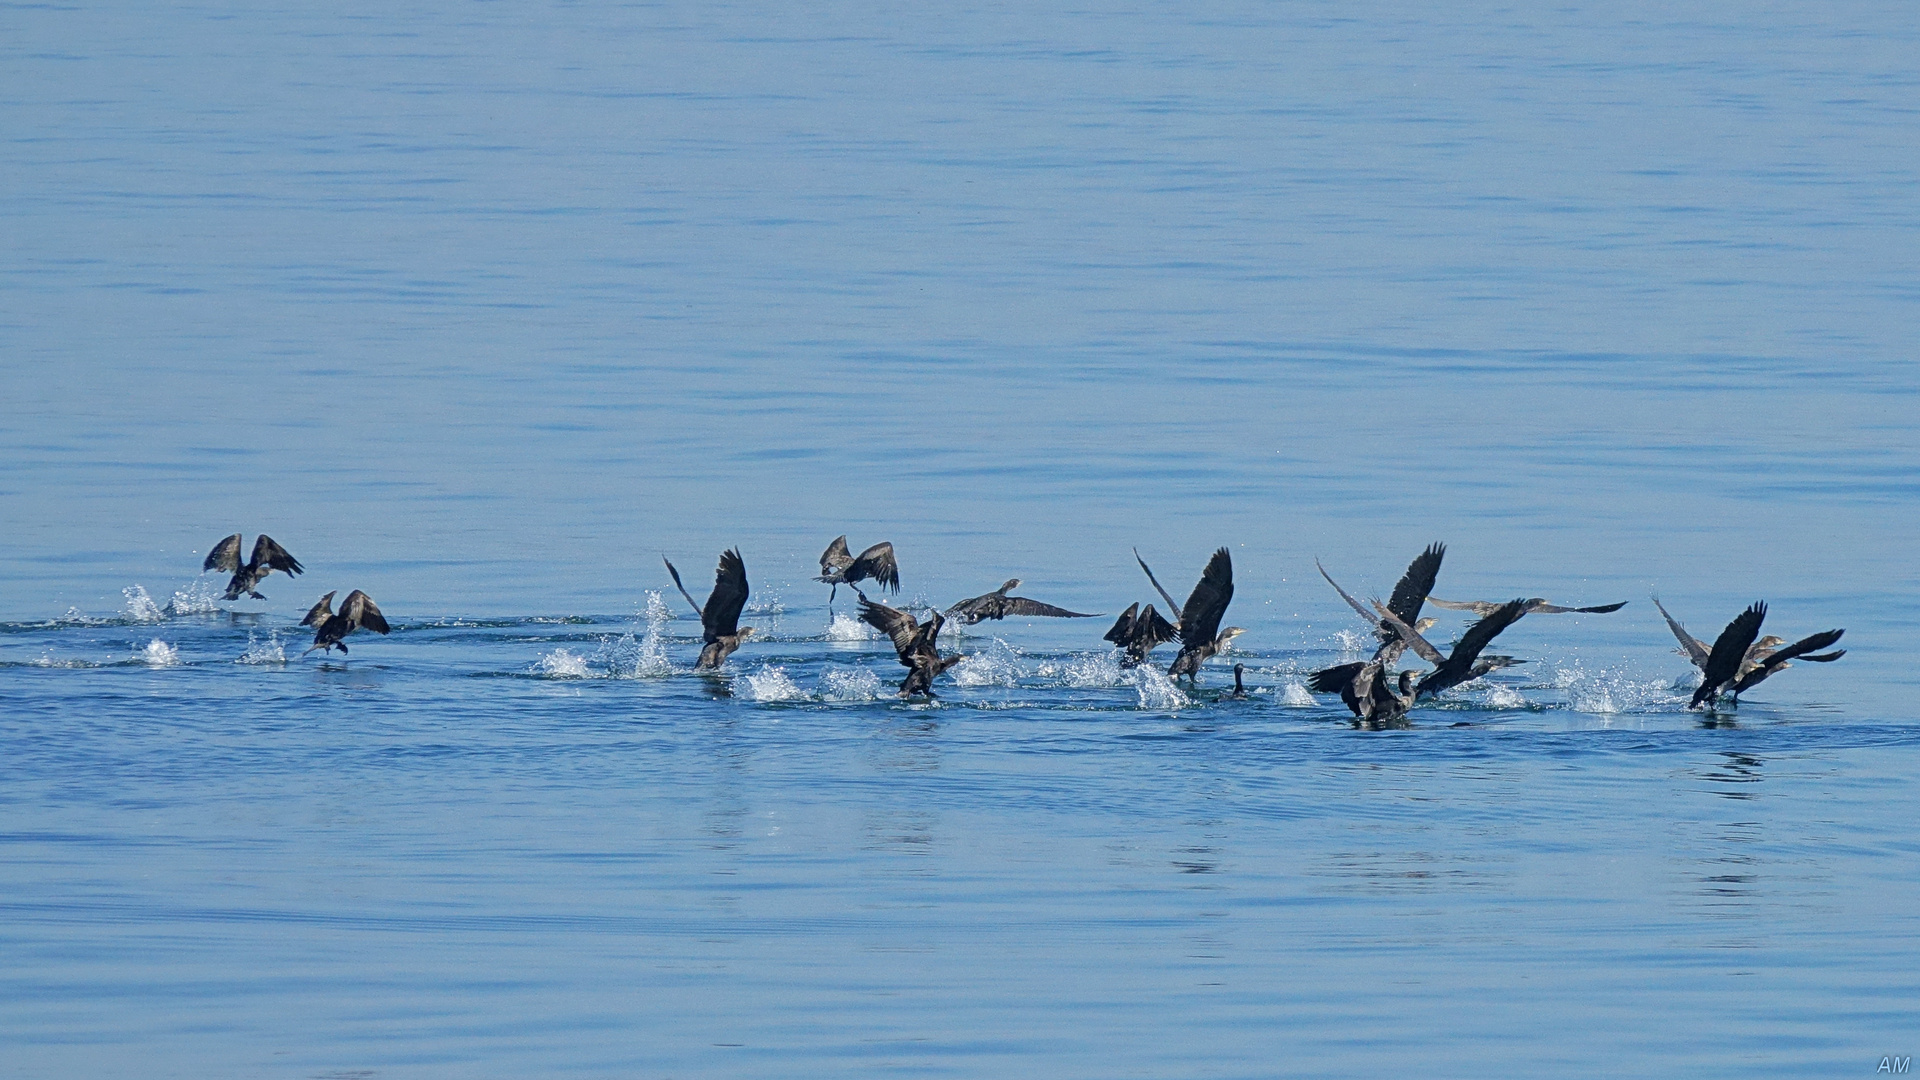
(1738, 660)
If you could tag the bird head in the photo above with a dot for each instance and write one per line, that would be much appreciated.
(1421, 626)
(1227, 635)
(1012, 584)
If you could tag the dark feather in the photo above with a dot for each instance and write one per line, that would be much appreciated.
(1416, 583)
(269, 554)
(721, 617)
(225, 555)
(1729, 649)
(1207, 604)
(319, 612)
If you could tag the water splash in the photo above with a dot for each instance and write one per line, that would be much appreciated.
(200, 597)
(1157, 691)
(1502, 697)
(159, 654)
(270, 651)
(562, 664)
(1085, 670)
(1610, 692)
(1352, 644)
(769, 683)
(996, 665)
(140, 606)
(1294, 693)
(846, 628)
(850, 685)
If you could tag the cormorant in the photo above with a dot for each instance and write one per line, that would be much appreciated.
(1199, 626)
(267, 557)
(1464, 663)
(1408, 596)
(998, 605)
(1373, 699)
(357, 612)
(1737, 661)
(838, 567)
(917, 644)
(720, 619)
(1139, 633)
(1239, 683)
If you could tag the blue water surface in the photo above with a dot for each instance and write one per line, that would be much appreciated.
(484, 308)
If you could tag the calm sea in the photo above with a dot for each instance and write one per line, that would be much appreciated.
(484, 308)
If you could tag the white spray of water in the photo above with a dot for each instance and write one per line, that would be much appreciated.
(140, 606)
(1085, 670)
(769, 683)
(1293, 693)
(159, 654)
(845, 628)
(1503, 697)
(270, 651)
(1156, 690)
(849, 685)
(48, 660)
(1609, 692)
(562, 664)
(1352, 644)
(200, 597)
(996, 665)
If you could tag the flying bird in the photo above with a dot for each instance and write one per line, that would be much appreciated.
(1408, 596)
(916, 643)
(357, 612)
(1138, 632)
(998, 605)
(1464, 664)
(1199, 626)
(720, 619)
(267, 557)
(1740, 659)
(838, 567)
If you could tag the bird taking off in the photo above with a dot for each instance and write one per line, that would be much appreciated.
(1535, 606)
(916, 643)
(1138, 632)
(267, 557)
(720, 619)
(838, 567)
(1740, 659)
(357, 612)
(1199, 627)
(998, 605)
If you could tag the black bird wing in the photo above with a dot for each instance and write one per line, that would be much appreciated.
(1164, 594)
(268, 553)
(224, 556)
(1372, 619)
(836, 557)
(360, 610)
(1020, 605)
(1332, 680)
(1729, 649)
(1122, 631)
(319, 612)
(1207, 603)
(683, 589)
(877, 563)
(1796, 651)
(1825, 658)
(899, 626)
(721, 617)
(1695, 649)
(1414, 585)
(1598, 609)
(1153, 629)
